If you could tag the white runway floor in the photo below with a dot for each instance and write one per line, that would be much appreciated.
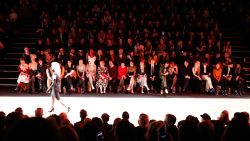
(156, 108)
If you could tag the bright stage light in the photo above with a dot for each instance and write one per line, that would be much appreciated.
(156, 108)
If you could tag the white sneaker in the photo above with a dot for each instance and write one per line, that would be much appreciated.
(161, 91)
(166, 91)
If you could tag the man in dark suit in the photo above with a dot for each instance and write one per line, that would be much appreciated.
(227, 74)
(152, 72)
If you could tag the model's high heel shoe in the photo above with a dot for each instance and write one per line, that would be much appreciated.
(52, 110)
(68, 109)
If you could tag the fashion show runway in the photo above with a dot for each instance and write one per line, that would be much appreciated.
(156, 106)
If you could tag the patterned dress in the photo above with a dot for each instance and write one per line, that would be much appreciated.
(102, 77)
(23, 78)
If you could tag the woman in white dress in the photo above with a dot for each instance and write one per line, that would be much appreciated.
(91, 71)
(142, 77)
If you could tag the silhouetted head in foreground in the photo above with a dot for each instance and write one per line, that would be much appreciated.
(32, 129)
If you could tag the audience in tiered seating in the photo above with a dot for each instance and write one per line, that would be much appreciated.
(172, 44)
(17, 126)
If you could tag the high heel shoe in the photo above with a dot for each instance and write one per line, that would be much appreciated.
(68, 109)
(52, 110)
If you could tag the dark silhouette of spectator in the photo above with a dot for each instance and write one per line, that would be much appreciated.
(80, 124)
(157, 132)
(19, 110)
(11, 118)
(125, 131)
(205, 117)
(55, 120)
(99, 127)
(65, 120)
(2, 125)
(107, 128)
(68, 134)
(31, 129)
(237, 129)
(89, 131)
(219, 128)
(141, 130)
(116, 121)
(170, 121)
(206, 128)
(224, 117)
(39, 112)
(2, 120)
(189, 131)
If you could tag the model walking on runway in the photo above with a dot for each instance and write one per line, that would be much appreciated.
(55, 86)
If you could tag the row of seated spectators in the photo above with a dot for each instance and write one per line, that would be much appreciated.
(18, 126)
(177, 70)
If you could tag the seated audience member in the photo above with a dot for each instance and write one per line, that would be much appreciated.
(102, 77)
(26, 54)
(185, 75)
(121, 77)
(112, 69)
(70, 75)
(227, 74)
(238, 80)
(120, 57)
(152, 74)
(172, 76)
(81, 71)
(217, 77)
(163, 73)
(61, 57)
(142, 77)
(196, 73)
(216, 59)
(23, 79)
(131, 71)
(206, 76)
(33, 72)
(163, 58)
(41, 75)
(48, 56)
(91, 71)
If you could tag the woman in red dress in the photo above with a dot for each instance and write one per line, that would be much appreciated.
(122, 72)
(23, 78)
